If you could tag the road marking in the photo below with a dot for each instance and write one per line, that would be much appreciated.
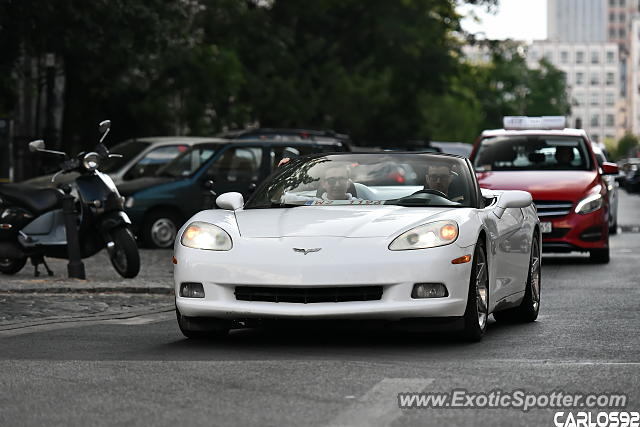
(379, 406)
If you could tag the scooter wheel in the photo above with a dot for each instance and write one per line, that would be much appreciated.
(11, 266)
(125, 257)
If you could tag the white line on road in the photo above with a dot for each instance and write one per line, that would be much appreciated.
(379, 406)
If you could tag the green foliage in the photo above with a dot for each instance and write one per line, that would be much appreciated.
(382, 71)
(626, 145)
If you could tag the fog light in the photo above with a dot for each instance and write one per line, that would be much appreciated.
(429, 290)
(191, 290)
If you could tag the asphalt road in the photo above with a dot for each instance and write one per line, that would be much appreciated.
(141, 371)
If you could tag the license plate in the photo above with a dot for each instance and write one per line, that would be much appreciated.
(546, 227)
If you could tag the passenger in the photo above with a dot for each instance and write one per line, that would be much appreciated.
(335, 183)
(564, 156)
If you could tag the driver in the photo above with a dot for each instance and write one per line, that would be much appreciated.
(439, 178)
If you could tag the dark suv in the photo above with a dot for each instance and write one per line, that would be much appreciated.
(159, 205)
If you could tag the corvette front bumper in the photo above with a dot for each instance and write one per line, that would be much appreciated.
(341, 262)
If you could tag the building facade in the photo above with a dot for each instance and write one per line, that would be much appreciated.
(593, 78)
(576, 20)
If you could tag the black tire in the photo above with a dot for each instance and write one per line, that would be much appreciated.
(599, 256)
(529, 308)
(160, 229)
(199, 328)
(477, 311)
(613, 229)
(10, 266)
(124, 256)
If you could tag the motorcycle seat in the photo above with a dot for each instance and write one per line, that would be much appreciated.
(36, 200)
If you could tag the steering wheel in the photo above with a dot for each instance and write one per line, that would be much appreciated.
(430, 191)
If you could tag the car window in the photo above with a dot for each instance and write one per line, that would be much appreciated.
(154, 160)
(236, 164)
(128, 150)
(187, 163)
(532, 152)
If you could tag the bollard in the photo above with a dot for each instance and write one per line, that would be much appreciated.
(75, 267)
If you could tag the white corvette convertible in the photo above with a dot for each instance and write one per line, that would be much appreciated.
(387, 236)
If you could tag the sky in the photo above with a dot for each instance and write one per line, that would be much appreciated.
(515, 19)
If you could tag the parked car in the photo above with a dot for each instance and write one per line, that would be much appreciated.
(612, 186)
(141, 157)
(159, 205)
(630, 174)
(289, 135)
(559, 168)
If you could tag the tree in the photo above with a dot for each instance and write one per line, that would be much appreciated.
(627, 145)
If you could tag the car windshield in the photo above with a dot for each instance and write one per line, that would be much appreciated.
(128, 149)
(402, 179)
(188, 162)
(532, 152)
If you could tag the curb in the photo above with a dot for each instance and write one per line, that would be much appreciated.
(96, 290)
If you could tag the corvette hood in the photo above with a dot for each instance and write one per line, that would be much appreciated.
(543, 185)
(347, 221)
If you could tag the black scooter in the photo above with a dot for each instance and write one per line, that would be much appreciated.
(32, 222)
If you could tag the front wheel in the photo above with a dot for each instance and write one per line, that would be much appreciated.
(599, 256)
(11, 266)
(124, 254)
(477, 311)
(201, 328)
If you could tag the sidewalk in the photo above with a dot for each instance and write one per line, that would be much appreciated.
(155, 277)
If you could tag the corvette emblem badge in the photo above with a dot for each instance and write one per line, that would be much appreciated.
(306, 251)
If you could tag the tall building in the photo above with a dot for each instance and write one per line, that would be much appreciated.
(633, 76)
(577, 20)
(593, 77)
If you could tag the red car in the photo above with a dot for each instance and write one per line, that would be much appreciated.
(558, 167)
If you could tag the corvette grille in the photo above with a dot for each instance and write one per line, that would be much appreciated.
(552, 208)
(308, 295)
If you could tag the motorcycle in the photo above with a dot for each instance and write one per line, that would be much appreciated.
(32, 221)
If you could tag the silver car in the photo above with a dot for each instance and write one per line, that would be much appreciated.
(612, 186)
(141, 157)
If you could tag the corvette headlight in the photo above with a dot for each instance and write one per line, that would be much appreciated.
(201, 235)
(589, 204)
(430, 235)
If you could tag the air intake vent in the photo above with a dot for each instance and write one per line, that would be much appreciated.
(308, 295)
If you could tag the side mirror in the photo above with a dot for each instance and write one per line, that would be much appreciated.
(512, 199)
(609, 168)
(104, 126)
(36, 145)
(231, 201)
(515, 199)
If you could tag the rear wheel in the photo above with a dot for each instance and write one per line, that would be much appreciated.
(477, 311)
(201, 327)
(11, 266)
(599, 256)
(529, 308)
(160, 229)
(124, 255)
